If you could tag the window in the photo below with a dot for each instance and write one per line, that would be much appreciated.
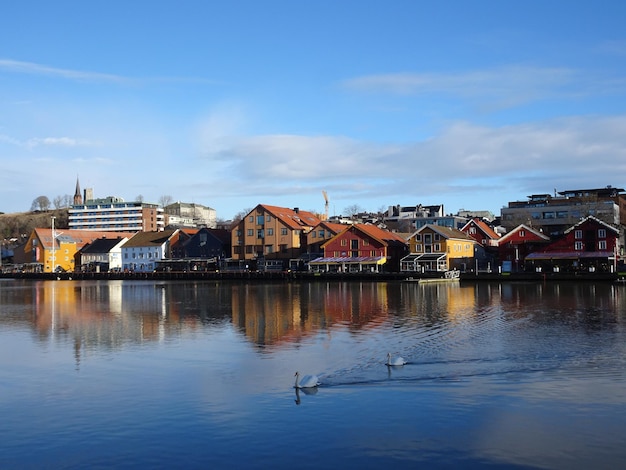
(269, 248)
(260, 234)
(437, 247)
(418, 237)
(602, 245)
(366, 242)
(313, 234)
(522, 233)
(283, 231)
(472, 230)
(344, 242)
(578, 246)
(322, 235)
(578, 234)
(268, 218)
(437, 237)
(602, 233)
(354, 244)
(270, 232)
(250, 232)
(373, 253)
(260, 219)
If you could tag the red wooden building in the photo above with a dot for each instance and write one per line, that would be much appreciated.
(362, 247)
(589, 246)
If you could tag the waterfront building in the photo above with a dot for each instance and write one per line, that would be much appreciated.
(589, 246)
(144, 249)
(434, 248)
(272, 232)
(101, 255)
(515, 245)
(55, 250)
(361, 247)
(555, 214)
(115, 214)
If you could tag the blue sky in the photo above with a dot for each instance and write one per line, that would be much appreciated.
(469, 104)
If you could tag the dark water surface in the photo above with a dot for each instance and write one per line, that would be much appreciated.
(131, 374)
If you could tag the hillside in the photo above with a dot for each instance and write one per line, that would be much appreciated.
(20, 224)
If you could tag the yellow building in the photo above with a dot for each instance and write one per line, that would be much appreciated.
(40, 249)
(272, 233)
(436, 248)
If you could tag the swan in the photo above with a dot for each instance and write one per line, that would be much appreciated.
(397, 361)
(308, 381)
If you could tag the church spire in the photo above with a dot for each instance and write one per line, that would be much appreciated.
(78, 198)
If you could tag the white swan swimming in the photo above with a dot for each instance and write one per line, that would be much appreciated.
(397, 361)
(308, 381)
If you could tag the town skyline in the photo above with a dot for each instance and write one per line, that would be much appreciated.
(226, 105)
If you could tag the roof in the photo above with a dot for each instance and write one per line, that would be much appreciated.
(377, 233)
(592, 219)
(486, 229)
(424, 257)
(570, 255)
(446, 232)
(80, 237)
(350, 260)
(102, 245)
(508, 235)
(293, 218)
(150, 238)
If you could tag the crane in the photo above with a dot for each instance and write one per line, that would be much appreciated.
(325, 205)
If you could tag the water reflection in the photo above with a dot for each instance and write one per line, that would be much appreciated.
(111, 314)
(209, 366)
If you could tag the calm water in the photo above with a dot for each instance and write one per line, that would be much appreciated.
(200, 375)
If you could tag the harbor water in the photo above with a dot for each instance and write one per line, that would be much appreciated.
(178, 374)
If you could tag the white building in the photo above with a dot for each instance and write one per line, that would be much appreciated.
(185, 214)
(114, 214)
(144, 249)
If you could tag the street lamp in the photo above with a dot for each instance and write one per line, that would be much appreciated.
(53, 244)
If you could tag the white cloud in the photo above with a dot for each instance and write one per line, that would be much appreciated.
(48, 141)
(38, 69)
(503, 86)
(584, 151)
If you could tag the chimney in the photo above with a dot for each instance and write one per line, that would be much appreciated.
(296, 210)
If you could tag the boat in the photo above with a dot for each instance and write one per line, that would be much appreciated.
(448, 276)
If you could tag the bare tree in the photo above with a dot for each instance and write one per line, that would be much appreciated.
(41, 203)
(139, 198)
(165, 200)
(352, 210)
(238, 217)
(57, 202)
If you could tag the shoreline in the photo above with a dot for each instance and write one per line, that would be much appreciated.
(247, 276)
